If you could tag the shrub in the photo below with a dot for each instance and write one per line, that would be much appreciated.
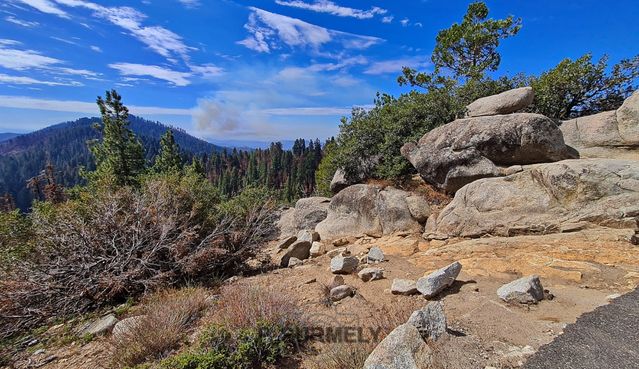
(104, 246)
(165, 321)
(16, 237)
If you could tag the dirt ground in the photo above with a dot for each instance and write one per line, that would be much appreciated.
(582, 270)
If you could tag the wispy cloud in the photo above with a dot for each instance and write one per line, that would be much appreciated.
(326, 6)
(396, 65)
(19, 80)
(157, 38)
(95, 48)
(190, 4)
(174, 77)
(46, 6)
(405, 22)
(267, 31)
(24, 102)
(388, 19)
(20, 22)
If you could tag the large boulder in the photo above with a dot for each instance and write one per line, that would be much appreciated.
(611, 134)
(628, 119)
(403, 348)
(367, 209)
(545, 198)
(458, 153)
(344, 264)
(310, 211)
(404, 287)
(430, 321)
(504, 103)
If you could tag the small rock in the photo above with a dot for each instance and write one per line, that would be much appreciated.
(310, 236)
(317, 249)
(337, 280)
(363, 259)
(341, 292)
(125, 326)
(404, 287)
(293, 262)
(340, 242)
(344, 264)
(300, 249)
(332, 253)
(527, 290)
(370, 274)
(430, 321)
(39, 352)
(312, 280)
(375, 255)
(33, 342)
(439, 280)
(286, 242)
(100, 326)
(231, 280)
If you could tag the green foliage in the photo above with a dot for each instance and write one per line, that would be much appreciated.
(16, 237)
(583, 87)
(468, 49)
(249, 348)
(168, 160)
(119, 156)
(326, 169)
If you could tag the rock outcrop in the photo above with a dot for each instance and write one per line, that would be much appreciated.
(458, 153)
(544, 198)
(611, 134)
(504, 103)
(367, 209)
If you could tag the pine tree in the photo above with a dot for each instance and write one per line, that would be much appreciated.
(168, 160)
(119, 157)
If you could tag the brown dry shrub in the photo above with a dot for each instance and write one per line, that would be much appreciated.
(165, 321)
(241, 307)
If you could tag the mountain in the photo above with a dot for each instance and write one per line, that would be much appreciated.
(7, 136)
(65, 146)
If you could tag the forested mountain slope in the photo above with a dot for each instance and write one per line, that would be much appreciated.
(65, 146)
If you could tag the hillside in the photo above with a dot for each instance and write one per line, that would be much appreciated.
(65, 145)
(7, 136)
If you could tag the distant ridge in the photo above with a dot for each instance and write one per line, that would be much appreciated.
(8, 135)
(65, 145)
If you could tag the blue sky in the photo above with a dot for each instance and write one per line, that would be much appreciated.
(261, 70)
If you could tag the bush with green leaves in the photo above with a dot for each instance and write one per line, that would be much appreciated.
(16, 237)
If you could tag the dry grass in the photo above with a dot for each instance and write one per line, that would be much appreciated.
(353, 355)
(242, 307)
(166, 318)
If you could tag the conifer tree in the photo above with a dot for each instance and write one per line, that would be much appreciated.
(119, 156)
(168, 160)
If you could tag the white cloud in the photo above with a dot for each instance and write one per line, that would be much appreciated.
(157, 38)
(18, 80)
(174, 77)
(20, 22)
(24, 59)
(326, 6)
(405, 22)
(23, 102)
(342, 64)
(190, 3)
(418, 24)
(46, 6)
(267, 30)
(95, 48)
(395, 65)
(388, 19)
(207, 70)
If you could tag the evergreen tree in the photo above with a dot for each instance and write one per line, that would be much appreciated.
(119, 156)
(168, 160)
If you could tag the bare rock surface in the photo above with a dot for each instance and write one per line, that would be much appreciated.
(544, 198)
(458, 153)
